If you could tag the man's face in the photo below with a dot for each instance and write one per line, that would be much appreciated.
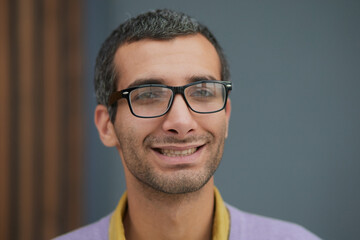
(180, 151)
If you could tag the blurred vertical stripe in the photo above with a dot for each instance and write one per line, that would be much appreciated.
(41, 123)
(5, 121)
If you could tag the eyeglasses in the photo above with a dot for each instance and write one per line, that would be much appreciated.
(155, 100)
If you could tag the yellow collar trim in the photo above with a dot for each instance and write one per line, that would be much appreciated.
(221, 224)
(116, 227)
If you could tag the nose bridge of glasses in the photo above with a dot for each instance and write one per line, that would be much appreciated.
(179, 90)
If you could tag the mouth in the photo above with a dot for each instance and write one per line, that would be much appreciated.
(173, 152)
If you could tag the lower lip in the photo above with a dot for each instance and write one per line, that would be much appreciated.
(183, 160)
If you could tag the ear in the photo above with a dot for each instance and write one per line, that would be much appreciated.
(227, 115)
(105, 127)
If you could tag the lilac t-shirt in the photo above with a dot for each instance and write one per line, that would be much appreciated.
(243, 226)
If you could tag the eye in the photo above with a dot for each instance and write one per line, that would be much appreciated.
(201, 93)
(148, 95)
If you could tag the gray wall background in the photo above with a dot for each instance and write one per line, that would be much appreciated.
(294, 147)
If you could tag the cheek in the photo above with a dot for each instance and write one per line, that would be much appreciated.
(134, 128)
(215, 124)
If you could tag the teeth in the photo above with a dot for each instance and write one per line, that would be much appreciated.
(177, 153)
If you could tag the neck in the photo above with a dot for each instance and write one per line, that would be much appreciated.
(155, 215)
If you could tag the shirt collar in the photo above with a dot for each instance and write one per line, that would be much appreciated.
(221, 221)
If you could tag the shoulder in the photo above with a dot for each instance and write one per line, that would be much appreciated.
(254, 227)
(95, 231)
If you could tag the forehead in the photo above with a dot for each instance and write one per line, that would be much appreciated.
(173, 61)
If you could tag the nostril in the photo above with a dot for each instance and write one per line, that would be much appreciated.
(172, 130)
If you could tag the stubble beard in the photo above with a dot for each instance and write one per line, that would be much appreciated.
(180, 181)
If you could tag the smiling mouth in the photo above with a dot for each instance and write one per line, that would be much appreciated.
(177, 153)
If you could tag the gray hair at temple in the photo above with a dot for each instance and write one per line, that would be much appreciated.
(161, 24)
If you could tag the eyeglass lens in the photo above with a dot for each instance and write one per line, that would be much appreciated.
(152, 101)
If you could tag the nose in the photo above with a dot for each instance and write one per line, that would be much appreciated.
(179, 120)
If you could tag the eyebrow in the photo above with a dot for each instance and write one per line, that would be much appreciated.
(196, 78)
(143, 81)
(191, 79)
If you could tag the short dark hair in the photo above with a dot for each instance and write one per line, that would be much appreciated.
(161, 24)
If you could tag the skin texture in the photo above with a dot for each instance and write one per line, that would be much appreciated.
(168, 197)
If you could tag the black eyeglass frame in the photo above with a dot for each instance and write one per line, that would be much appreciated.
(125, 93)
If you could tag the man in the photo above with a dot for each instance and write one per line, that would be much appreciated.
(162, 86)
